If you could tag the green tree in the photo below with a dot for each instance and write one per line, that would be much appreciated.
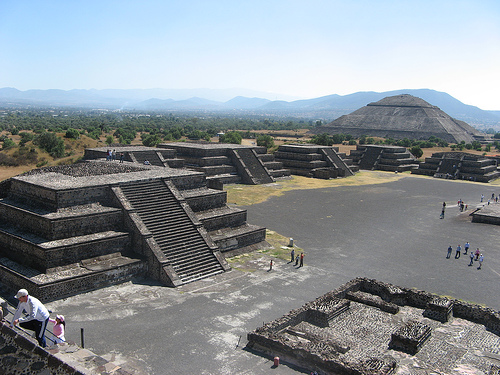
(416, 151)
(8, 143)
(151, 140)
(265, 140)
(323, 139)
(25, 138)
(109, 139)
(231, 137)
(51, 143)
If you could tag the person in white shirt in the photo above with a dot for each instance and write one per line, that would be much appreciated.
(38, 315)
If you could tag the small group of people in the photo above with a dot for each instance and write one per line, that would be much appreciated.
(299, 259)
(494, 198)
(474, 256)
(37, 318)
(111, 155)
(461, 205)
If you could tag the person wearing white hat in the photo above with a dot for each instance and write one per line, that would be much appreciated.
(37, 318)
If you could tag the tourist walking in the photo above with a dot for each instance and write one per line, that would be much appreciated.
(301, 259)
(481, 258)
(466, 247)
(442, 213)
(477, 253)
(471, 258)
(37, 318)
(482, 198)
(450, 249)
(271, 265)
(292, 255)
(459, 250)
(59, 328)
(297, 260)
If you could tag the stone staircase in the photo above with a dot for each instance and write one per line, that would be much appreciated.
(174, 231)
(334, 160)
(151, 156)
(370, 158)
(250, 166)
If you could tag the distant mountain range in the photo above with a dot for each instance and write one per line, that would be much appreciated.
(247, 102)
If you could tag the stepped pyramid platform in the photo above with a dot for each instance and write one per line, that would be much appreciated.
(402, 116)
(229, 163)
(461, 166)
(68, 229)
(315, 161)
(384, 158)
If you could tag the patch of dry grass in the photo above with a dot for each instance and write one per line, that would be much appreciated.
(245, 195)
(250, 262)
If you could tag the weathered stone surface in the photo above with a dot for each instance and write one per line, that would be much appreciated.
(365, 339)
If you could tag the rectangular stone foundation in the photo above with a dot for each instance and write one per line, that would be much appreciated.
(440, 309)
(322, 314)
(410, 337)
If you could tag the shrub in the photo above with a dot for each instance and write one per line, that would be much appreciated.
(72, 133)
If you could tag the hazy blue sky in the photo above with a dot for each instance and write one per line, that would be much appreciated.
(300, 48)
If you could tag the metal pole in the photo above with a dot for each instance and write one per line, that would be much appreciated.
(82, 338)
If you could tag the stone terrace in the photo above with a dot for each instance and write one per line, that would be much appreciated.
(229, 163)
(315, 161)
(68, 229)
(460, 165)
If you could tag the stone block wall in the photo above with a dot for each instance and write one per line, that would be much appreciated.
(21, 355)
(48, 255)
(206, 202)
(63, 226)
(67, 287)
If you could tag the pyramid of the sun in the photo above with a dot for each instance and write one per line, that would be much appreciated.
(402, 116)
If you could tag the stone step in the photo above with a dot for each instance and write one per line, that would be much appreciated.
(174, 231)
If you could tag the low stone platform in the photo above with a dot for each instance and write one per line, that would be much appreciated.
(365, 338)
(488, 214)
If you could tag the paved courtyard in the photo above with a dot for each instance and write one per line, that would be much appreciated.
(390, 232)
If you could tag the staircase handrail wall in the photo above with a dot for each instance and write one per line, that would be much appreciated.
(240, 165)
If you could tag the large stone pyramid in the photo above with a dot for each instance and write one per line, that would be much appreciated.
(402, 116)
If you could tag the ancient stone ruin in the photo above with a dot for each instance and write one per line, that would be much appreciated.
(315, 161)
(402, 116)
(371, 327)
(230, 163)
(384, 158)
(222, 163)
(459, 166)
(68, 229)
